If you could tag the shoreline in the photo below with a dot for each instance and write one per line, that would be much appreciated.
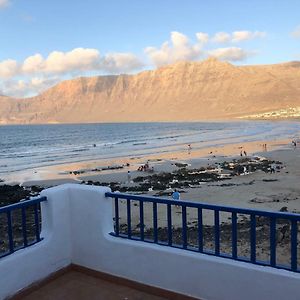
(257, 189)
(87, 169)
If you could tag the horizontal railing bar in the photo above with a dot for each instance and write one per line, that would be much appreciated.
(249, 211)
(21, 204)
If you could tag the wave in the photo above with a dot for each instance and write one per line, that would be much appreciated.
(21, 150)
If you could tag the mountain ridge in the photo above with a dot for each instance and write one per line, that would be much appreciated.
(184, 91)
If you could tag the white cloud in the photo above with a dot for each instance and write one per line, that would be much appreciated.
(8, 68)
(81, 60)
(177, 49)
(296, 32)
(230, 53)
(121, 62)
(13, 87)
(202, 37)
(73, 62)
(239, 36)
(4, 3)
(21, 87)
(33, 64)
(37, 73)
(57, 62)
(78, 59)
(39, 84)
(221, 37)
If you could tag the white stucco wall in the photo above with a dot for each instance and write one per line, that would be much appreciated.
(36, 262)
(77, 220)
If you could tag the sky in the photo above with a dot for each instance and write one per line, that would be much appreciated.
(44, 42)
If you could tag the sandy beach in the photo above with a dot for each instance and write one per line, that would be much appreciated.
(257, 188)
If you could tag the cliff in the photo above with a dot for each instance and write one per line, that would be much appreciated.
(185, 91)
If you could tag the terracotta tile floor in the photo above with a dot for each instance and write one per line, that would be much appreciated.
(78, 286)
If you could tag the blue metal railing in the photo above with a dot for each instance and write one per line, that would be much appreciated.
(254, 216)
(19, 225)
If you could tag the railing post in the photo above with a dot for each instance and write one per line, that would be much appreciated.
(24, 227)
(37, 223)
(117, 225)
(155, 237)
(253, 238)
(200, 230)
(169, 218)
(217, 232)
(234, 234)
(10, 232)
(294, 232)
(184, 227)
(273, 242)
(142, 220)
(128, 218)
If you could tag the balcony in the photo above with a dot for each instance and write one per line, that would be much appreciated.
(78, 284)
(89, 247)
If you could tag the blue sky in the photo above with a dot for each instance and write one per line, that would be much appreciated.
(116, 36)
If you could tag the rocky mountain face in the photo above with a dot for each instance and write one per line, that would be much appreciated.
(185, 91)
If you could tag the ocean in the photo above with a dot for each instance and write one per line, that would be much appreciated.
(26, 147)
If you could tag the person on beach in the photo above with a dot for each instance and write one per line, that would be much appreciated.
(245, 153)
(144, 167)
(241, 154)
(128, 177)
(273, 168)
(176, 195)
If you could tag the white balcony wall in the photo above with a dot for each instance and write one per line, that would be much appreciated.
(77, 220)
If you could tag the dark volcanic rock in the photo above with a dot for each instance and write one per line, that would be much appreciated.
(12, 193)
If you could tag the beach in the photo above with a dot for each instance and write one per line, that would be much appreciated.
(257, 189)
(213, 175)
(167, 153)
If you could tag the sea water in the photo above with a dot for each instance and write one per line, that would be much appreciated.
(25, 147)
